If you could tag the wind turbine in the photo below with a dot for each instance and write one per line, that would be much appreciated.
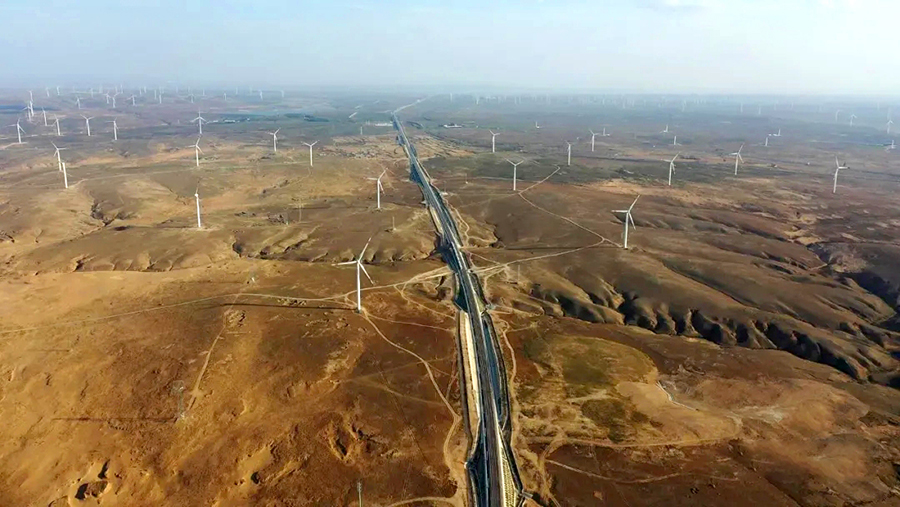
(767, 141)
(44, 113)
(310, 151)
(274, 140)
(132, 99)
(87, 121)
(59, 162)
(56, 120)
(892, 146)
(379, 189)
(889, 123)
(628, 218)
(199, 119)
(569, 159)
(665, 130)
(604, 134)
(197, 200)
(493, 141)
(197, 151)
(536, 126)
(836, 171)
(78, 102)
(777, 134)
(852, 117)
(593, 136)
(672, 167)
(359, 267)
(19, 130)
(515, 169)
(675, 140)
(115, 129)
(737, 158)
(836, 115)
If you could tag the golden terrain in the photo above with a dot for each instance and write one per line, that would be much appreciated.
(741, 352)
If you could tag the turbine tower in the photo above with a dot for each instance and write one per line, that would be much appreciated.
(197, 151)
(310, 152)
(493, 141)
(65, 176)
(593, 136)
(56, 120)
(672, 167)
(837, 169)
(569, 154)
(515, 168)
(852, 117)
(628, 219)
(87, 122)
(379, 189)
(359, 267)
(274, 140)
(199, 119)
(197, 200)
(59, 161)
(115, 129)
(737, 159)
(889, 123)
(19, 130)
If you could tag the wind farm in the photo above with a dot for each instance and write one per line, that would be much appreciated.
(402, 305)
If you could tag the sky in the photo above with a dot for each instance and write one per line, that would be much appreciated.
(846, 47)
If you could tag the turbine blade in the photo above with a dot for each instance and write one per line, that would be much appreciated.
(363, 267)
(632, 204)
(364, 249)
(345, 263)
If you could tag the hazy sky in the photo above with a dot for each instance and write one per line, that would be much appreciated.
(670, 46)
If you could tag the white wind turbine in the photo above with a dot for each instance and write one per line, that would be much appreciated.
(310, 151)
(778, 134)
(197, 151)
(132, 99)
(274, 140)
(493, 141)
(737, 159)
(604, 134)
(78, 102)
(56, 121)
(19, 130)
(65, 175)
(44, 113)
(379, 188)
(197, 200)
(199, 119)
(115, 129)
(889, 123)
(665, 130)
(891, 147)
(59, 161)
(837, 169)
(87, 122)
(359, 267)
(672, 167)
(628, 219)
(515, 169)
(569, 154)
(675, 141)
(593, 136)
(852, 117)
